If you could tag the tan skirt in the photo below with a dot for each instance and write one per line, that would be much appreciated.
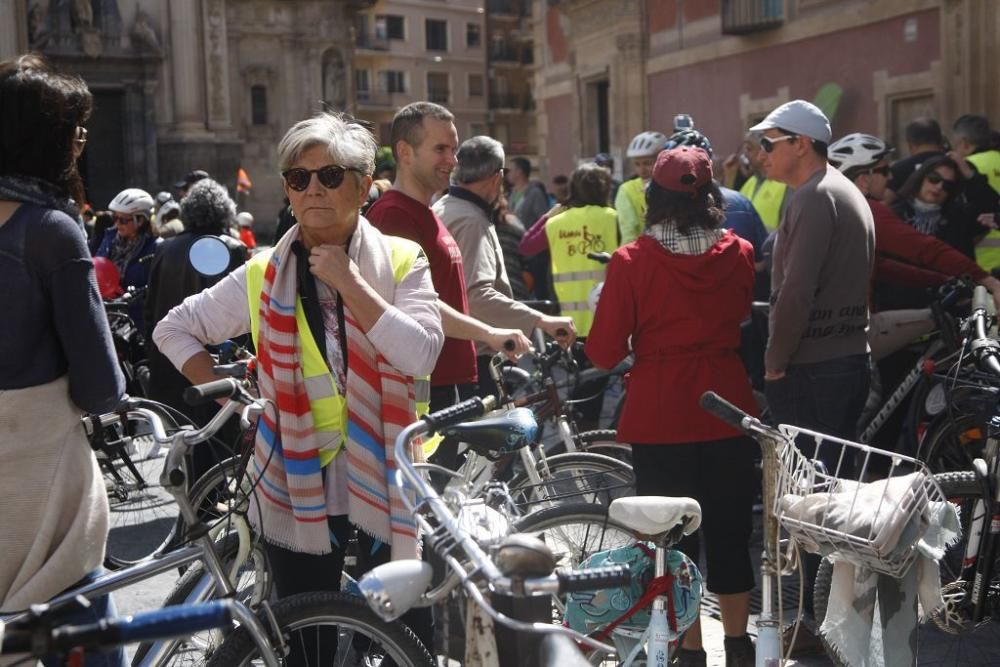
(53, 504)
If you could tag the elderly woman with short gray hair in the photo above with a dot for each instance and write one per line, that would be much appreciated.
(333, 290)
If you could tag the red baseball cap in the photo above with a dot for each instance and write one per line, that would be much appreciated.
(683, 169)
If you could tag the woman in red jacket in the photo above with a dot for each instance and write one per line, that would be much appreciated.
(676, 297)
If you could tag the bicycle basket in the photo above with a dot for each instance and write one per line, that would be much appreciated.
(873, 509)
(590, 611)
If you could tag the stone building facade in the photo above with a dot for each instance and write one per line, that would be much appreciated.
(608, 69)
(192, 84)
(410, 50)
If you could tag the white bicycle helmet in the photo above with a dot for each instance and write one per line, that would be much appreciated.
(646, 144)
(857, 150)
(132, 201)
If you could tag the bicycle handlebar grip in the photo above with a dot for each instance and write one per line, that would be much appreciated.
(200, 394)
(178, 621)
(237, 369)
(509, 345)
(458, 413)
(981, 299)
(722, 409)
(613, 576)
(601, 257)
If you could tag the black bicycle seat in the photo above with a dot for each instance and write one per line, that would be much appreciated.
(496, 436)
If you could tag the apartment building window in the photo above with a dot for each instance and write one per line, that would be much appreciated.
(258, 105)
(476, 85)
(437, 35)
(389, 26)
(473, 35)
(437, 87)
(392, 81)
(362, 84)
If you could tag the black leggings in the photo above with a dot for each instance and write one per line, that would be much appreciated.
(720, 475)
(295, 572)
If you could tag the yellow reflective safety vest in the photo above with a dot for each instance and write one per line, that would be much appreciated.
(328, 407)
(572, 234)
(766, 200)
(632, 221)
(988, 250)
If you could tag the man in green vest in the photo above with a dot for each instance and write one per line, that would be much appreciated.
(974, 142)
(631, 199)
(768, 197)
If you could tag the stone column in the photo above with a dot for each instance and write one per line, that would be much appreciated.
(216, 64)
(13, 29)
(186, 54)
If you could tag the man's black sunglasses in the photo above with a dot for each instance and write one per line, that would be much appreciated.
(330, 176)
(768, 143)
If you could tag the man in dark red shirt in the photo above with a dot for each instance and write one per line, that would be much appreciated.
(424, 141)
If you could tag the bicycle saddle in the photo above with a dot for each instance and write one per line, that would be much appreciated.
(655, 515)
(493, 437)
(522, 555)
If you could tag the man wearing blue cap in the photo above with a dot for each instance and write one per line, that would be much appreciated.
(817, 359)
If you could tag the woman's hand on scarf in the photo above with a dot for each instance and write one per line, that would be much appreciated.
(331, 264)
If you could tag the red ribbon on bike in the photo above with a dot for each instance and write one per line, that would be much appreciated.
(657, 586)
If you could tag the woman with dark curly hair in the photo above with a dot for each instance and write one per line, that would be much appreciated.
(943, 198)
(675, 297)
(58, 360)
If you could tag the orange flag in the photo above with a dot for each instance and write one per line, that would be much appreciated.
(243, 182)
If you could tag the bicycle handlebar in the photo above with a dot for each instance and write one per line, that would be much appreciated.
(481, 562)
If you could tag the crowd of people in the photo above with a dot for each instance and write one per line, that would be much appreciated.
(360, 322)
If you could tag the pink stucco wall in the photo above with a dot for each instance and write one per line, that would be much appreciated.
(710, 91)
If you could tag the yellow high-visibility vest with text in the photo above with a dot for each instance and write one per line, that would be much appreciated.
(571, 235)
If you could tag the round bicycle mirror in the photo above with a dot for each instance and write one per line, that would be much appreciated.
(209, 256)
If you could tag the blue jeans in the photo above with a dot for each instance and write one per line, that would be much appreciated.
(827, 397)
(102, 607)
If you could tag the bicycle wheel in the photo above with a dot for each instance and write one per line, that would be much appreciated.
(950, 637)
(252, 584)
(953, 444)
(603, 441)
(325, 628)
(574, 533)
(143, 514)
(579, 477)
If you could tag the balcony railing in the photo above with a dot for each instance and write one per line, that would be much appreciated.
(740, 17)
(372, 42)
(376, 98)
(508, 7)
(511, 102)
(509, 53)
(438, 96)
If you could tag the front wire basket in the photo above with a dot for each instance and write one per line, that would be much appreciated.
(871, 509)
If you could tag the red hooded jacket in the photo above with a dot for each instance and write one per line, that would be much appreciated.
(683, 315)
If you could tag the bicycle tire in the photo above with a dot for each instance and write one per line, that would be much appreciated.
(953, 444)
(937, 645)
(604, 441)
(251, 591)
(392, 641)
(143, 515)
(574, 478)
(574, 533)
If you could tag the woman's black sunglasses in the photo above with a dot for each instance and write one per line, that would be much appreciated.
(330, 176)
(947, 184)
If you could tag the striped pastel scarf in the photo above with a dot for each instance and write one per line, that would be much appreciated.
(380, 402)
